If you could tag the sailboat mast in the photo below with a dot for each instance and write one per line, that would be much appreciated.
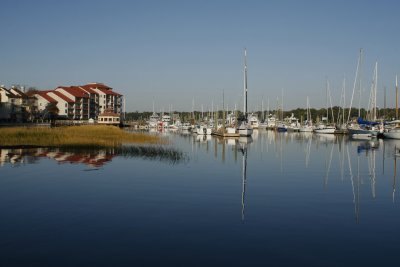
(344, 97)
(397, 102)
(355, 83)
(375, 89)
(262, 109)
(360, 89)
(245, 84)
(282, 105)
(193, 108)
(327, 109)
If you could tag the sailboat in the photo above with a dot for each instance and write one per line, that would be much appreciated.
(341, 127)
(154, 118)
(245, 129)
(324, 128)
(364, 129)
(227, 128)
(307, 127)
(394, 133)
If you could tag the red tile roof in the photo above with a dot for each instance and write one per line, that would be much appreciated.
(19, 92)
(62, 96)
(109, 92)
(88, 89)
(75, 91)
(96, 85)
(46, 96)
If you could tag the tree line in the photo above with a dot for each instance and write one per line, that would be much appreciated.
(299, 113)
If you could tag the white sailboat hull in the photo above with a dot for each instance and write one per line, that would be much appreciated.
(245, 129)
(306, 129)
(357, 131)
(326, 130)
(392, 134)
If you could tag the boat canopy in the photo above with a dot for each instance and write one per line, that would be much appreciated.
(361, 121)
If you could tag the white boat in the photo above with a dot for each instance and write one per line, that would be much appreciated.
(392, 133)
(271, 121)
(324, 129)
(307, 127)
(153, 121)
(292, 123)
(166, 120)
(263, 125)
(203, 130)
(254, 122)
(186, 126)
(245, 128)
(361, 130)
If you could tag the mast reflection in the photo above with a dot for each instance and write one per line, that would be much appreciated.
(243, 145)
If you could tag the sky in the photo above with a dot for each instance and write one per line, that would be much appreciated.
(173, 53)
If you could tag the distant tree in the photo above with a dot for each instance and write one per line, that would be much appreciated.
(31, 90)
(51, 112)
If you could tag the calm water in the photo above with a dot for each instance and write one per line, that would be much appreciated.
(278, 199)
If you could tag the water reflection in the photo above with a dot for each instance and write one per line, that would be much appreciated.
(21, 156)
(285, 197)
(94, 158)
(341, 162)
(243, 143)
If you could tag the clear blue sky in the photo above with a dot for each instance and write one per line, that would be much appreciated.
(171, 51)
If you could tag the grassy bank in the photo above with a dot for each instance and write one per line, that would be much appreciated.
(73, 136)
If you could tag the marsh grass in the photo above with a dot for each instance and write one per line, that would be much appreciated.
(152, 153)
(89, 136)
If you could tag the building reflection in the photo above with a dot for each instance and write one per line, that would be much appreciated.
(21, 156)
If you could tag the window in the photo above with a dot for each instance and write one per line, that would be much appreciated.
(65, 111)
(66, 105)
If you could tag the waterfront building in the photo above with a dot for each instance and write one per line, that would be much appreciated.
(65, 104)
(81, 101)
(43, 99)
(15, 105)
(84, 102)
(108, 99)
(109, 117)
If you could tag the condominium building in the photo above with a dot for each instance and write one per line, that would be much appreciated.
(73, 102)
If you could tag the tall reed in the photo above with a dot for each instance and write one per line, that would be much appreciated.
(73, 136)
